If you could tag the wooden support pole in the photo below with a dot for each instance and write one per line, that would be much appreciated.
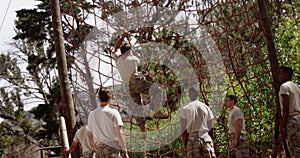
(272, 53)
(66, 95)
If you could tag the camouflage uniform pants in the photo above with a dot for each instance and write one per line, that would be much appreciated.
(141, 86)
(293, 135)
(106, 151)
(87, 154)
(242, 149)
(200, 148)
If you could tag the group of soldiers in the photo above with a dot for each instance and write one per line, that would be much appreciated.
(106, 138)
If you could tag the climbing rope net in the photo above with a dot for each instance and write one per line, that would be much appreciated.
(218, 46)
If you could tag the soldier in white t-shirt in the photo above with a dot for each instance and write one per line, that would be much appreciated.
(81, 137)
(105, 128)
(238, 144)
(289, 96)
(127, 64)
(197, 121)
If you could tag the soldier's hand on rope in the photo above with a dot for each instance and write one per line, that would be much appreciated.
(121, 39)
(126, 34)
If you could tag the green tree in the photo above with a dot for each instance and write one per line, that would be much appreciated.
(18, 129)
(287, 37)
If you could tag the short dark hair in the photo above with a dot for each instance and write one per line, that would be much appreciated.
(288, 70)
(104, 94)
(125, 47)
(232, 97)
(194, 93)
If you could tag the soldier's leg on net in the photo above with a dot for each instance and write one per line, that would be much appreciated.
(158, 98)
(138, 111)
(142, 86)
(142, 123)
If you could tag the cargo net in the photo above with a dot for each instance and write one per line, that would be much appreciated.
(216, 46)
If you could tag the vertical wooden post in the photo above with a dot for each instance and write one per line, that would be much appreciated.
(66, 95)
(272, 53)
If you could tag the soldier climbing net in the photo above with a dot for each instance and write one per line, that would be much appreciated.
(218, 46)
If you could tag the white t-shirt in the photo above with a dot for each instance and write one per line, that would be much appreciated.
(102, 122)
(234, 115)
(81, 136)
(292, 90)
(197, 115)
(127, 65)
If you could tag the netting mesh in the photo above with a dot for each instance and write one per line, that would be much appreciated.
(216, 45)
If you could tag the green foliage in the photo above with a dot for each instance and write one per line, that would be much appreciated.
(258, 108)
(288, 44)
(33, 31)
(17, 128)
(31, 25)
(35, 47)
(9, 71)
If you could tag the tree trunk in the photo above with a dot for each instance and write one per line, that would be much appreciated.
(267, 29)
(68, 111)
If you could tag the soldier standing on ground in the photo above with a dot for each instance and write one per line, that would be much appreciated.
(238, 143)
(289, 96)
(197, 120)
(105, 128)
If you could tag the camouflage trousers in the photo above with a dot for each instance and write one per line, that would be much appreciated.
(87, 154)
(242, 149)
(293, 135)
(108, 151)
(200, 148)
(140, 86)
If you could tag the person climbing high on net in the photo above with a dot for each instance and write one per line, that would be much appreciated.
(127, 64)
